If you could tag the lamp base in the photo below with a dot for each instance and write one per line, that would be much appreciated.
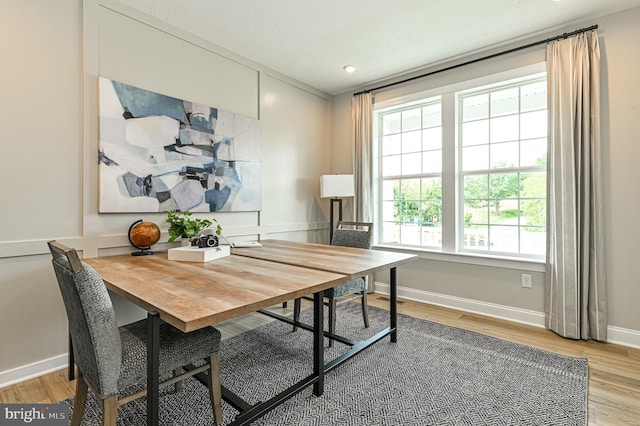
(331, 225)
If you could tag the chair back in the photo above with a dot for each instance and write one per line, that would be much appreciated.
(94, 331)
(353, 234)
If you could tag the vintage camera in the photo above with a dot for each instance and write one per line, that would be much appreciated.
(205, 241)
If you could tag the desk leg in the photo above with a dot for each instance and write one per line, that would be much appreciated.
(393, 304)
(318, 342)
(153, 367)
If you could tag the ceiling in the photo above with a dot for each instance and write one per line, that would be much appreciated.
(311, 40)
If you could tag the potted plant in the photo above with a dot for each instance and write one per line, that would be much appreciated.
(183, 225)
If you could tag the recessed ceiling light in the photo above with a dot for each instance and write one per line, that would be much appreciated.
(349, 68)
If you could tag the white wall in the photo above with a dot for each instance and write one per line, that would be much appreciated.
(52, 54)
(40, 173)
(497, 290)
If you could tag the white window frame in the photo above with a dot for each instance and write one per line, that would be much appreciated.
(450, 250)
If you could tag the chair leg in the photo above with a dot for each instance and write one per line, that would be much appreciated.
(332, 318)
(365, 309)
(296, 312)
(110, 411)
(79, 400)
(215, 388)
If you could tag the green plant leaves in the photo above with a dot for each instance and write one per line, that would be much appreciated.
(182, 225)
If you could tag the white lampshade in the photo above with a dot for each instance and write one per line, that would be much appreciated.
(336, 186)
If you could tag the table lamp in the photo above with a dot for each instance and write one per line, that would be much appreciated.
(335, 187)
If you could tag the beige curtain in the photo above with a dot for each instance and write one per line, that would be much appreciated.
(575, 283)
(361, 114)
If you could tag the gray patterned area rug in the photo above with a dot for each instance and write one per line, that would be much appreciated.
(433, 375)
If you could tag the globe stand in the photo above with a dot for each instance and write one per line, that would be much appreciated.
(144, 251)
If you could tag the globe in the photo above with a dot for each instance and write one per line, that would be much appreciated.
(142, 235)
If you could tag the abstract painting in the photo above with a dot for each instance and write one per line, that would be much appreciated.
(159, 153)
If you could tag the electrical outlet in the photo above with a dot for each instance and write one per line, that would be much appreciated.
(526, 280)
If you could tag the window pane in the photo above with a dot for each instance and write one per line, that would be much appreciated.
(390, 189)
(533, 241)
(504, 239)
(389, 211)
(391, 232)
(476, 187)
(411, 119)
(503, 185)
(534, 212)
(534, 185)
(475, 107)
(504, 102)
(475, 133)
(391, 123)
(476, 194)
(391, 165)
(391, 144)
(432, 138)
(431, 213)
(533, 152)
(475, 237)
(410, 209)
(411, 164)
(432, 189)
(410, 189)
(533, 96)
(475, 158)
(476, 212)
(504, 155)
(410, 234)
(432, 115)
(533, 125)
(504, 129)
(432, 162)
(504, 211)
(412, 141)
(431, 235)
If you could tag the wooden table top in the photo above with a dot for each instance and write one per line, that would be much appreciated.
(192, 295)
(352, 262)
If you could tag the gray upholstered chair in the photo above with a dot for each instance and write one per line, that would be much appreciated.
(111, 358)
(346, 234)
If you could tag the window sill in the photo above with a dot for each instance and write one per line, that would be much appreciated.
(531, 265)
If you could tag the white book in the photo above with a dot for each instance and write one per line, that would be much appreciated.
(240, 244)
(196, 254)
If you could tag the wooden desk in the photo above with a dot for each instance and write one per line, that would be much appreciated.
(191, 295)
(352, 262)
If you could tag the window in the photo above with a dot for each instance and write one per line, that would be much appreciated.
(411, 153)
(491, 149)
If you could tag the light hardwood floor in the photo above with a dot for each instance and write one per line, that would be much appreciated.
(614, 370)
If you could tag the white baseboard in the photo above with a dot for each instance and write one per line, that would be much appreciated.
(617, 335)
(623, 336)
(468, 305)
(30, 371)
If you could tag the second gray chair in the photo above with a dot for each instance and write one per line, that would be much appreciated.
(346, 234)
(111, 358)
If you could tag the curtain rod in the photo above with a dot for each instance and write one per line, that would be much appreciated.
(473, 61)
